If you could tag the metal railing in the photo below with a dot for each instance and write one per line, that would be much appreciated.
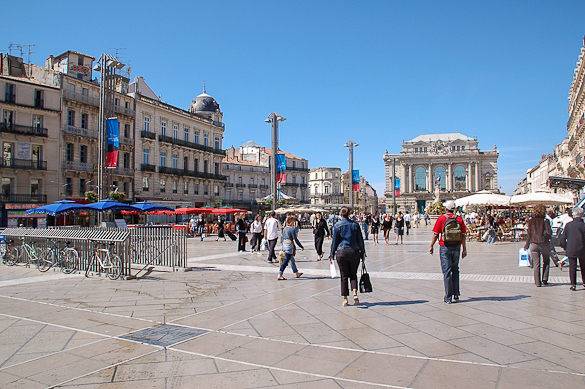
(69, 94)
(191, 145)
(124, 110)
(157, 245)
(22, 198)
(146, 167)
(15, 163)
(78, 166)
(148, 134)
(24, 130)
(190, 173)
(86, 132)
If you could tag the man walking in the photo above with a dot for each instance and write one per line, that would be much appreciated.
(573, 241)
(450, 230)
(271, 230)
(407, 221)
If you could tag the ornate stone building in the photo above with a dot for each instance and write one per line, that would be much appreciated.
(247, 180)
(447, 165)
(325, 186)
(576, 121)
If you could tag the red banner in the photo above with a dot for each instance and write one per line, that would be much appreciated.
(281, 177)
(355, 187)
(112, 159)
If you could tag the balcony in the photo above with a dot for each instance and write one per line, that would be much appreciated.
(190, 173)
(252, 186)
(127, 141)
(83, 132)
(81, 98)
(22, 198)
(29, 164)
(240, 185)
(229, 184)
(148, 135)
(294, 184)
(264, 186)
(123, 110)
(78, 166)
(23, 130)
(121, 171)
(191, 145)
(146, 167)
(297, 169)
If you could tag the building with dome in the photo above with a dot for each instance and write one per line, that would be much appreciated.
(444, 166)
(178, 151)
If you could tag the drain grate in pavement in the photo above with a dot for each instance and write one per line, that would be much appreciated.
(164, 335)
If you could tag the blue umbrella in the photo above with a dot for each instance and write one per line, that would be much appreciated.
(56, 208)
(109, 205)
(145, 206)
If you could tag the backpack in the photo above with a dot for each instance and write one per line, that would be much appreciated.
(452, 231)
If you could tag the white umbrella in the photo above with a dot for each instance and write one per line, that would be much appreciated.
(544, 198)
(485, 199)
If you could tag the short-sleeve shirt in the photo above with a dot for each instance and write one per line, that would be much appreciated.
(440, 225)
(271, 227)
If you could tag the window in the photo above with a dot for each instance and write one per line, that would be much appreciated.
(239, 180)
(146, 156)
(217, 143)
(127, 104)
(326, 189)
(145, 184)
(163, 159)
(216, 168)
(68, 186)
(8, 117)
(126, 160)
(196, 189)
(462, 148)
(10, 93)
(186, 134)
(205, 189)
(84, 120)
(163, 127)
(196, 165)
(174, 186)
(440, 178)
(196, 136)
(175, 131)
(126, 188)
(84, 92)
(175, 161)
(205, 166)
(37, 154)
(80, 60)
(35, 186)
(6, 186)
(116, 101)
(83, 153)
(216, 190)
(82, 185)
(294, 163)
(420, 179)
(185, 187)
(126, 130)
(205, 139)
(71, 117)
(39, 100)
(69, 149)
(7, 153)
(163, 185)
(459, 177)
(37, 121)
(146, 123)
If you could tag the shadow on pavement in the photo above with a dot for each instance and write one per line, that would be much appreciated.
(391, 303)
(496, 298)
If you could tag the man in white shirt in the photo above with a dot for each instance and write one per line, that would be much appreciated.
(256, 229)
(271, 233)
(407, 221)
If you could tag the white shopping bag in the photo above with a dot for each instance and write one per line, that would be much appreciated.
(523, 258)
(332, 269)
(264, 244)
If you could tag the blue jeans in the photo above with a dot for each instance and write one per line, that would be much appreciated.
(289, 258)
(450, 267)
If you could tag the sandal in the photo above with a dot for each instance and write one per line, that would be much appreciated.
(299, 274)
(281, 278)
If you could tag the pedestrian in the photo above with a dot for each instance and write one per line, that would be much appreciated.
(192, 226)
(407, 219)
(399, 228)
(550, 217)
(320, 230)
(538, 242)
(271, 233)
(427, 218)
(220, 229)
(375, 229)
(573, 241)
(348, 249)
(242, 228)
(450, 231)
(256, 233)
(416, 218)
(386, 227)
(290, 239)
(201, 227)
(492, 228)
(366, 221)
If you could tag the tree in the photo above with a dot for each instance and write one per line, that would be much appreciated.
(118, 196)
(91, 196)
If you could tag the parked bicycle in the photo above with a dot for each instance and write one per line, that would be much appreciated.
(24, 253)
(105, 260)
(67, 258)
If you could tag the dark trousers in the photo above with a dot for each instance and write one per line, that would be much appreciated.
(573, 269)
(536, 251)
(256, 240)
(241, 241)
(319, 244)
(271, 246)
(348, 262)
(407, 227)
(450, 268)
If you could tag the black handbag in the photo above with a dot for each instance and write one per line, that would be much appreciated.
(365, 283)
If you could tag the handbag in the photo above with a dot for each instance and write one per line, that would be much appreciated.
(332, 269)
(365, 283)
(524, 258)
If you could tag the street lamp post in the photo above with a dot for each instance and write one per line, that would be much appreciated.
(350, 144)
(394, 186)
(273, 119)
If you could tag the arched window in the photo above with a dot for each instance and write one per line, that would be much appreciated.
(440, 178)
(420, 179)
(459, 178)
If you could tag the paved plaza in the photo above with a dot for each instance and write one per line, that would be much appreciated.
(227, 323)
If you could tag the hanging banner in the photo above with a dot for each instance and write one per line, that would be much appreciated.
(112, 159)
(280, 178)
(355, 180)
(397, 186)
(113, 133)
(280, 163)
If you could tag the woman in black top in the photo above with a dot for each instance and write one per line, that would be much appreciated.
(241, 228)
(375, 229)
(220, 229)
(320, 230)
(399, 228)
(387, 226)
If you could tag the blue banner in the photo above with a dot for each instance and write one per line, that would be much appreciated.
(113, 132)
(280, 163)
(355, 177)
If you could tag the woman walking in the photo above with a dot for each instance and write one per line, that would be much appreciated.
(386, 227)
(399, 228)
(241, 228)
(538, 242)
(256, 233)
(220, 229)
(375, 229)
(289, 241)
(348, 249)
(320, 230)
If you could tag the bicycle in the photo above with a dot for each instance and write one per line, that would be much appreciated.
(24, 253)
(67, 259)
(107, 261)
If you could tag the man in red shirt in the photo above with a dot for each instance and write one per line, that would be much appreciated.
(450, 230)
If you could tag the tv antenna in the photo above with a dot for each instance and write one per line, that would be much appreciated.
(21, 49)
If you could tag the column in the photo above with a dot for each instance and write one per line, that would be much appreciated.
(404, 185)
(468, 180)
(430, 178)
(477, 183)
(449, 177)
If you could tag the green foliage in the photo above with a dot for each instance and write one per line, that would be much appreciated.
(91, 196)
(118, 196)
(436, 208)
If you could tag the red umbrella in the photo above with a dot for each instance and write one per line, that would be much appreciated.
(192, 211)
(162, 212)
(227, 211)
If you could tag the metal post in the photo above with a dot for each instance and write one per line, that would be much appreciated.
(100, 177)
(394, 186)
(351, 145)
(273, 119)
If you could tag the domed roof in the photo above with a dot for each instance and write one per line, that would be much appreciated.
(204, 103)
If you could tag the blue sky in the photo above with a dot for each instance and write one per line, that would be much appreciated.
(377, 71)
